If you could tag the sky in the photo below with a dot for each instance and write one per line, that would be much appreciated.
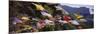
(78, 5)
(83, 2)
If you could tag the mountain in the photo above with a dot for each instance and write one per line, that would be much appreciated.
(83, 9)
